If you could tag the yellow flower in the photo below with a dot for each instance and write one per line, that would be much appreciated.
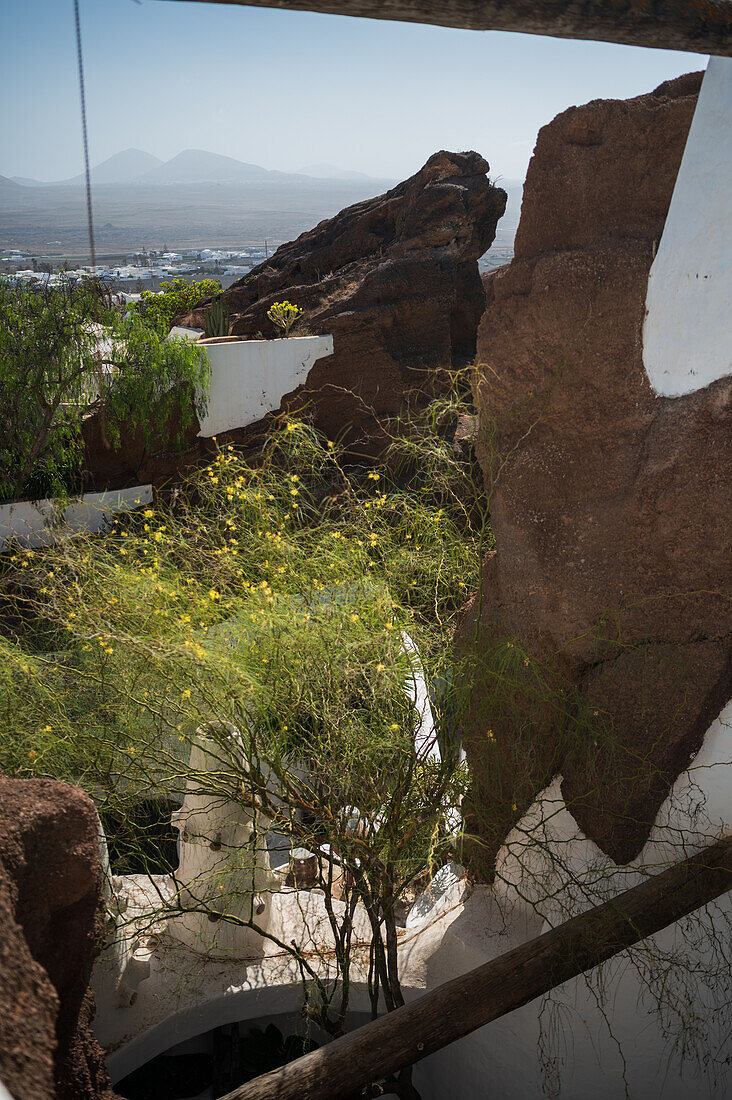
(380, 668)
(213, 594)
(395, 725)
(186, 694)
(148, 513)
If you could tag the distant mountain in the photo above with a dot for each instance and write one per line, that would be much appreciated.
(8, 184)
(134, 166)
(330, 172)
(198, 166)
(125, 167)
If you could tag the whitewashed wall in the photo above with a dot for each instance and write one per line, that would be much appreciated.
(687, 338)
(249, 378)
(597, 1047)
(42, 522)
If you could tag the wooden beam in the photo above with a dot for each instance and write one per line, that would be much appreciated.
(699, 26)
(464, 1004)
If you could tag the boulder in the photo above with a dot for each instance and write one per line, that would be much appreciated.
(50, 925)
(395, 280)
(610, 577)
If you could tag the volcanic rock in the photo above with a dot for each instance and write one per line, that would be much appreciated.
(611, 570)
(50, 923)
(394, 280)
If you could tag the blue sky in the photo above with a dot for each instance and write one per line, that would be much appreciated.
(287, 89)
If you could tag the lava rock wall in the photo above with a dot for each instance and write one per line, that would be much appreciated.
(395, 281)
(50, 925)
(610, 578)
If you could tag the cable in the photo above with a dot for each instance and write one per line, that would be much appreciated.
(82, 96)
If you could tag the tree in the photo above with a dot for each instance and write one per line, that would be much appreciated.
(175, 296)
(66, 351)
(264, 609)
(260, 600)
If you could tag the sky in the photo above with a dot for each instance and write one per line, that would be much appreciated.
(290, 89)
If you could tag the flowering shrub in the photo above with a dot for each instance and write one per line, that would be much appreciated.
(274, 598)
(283, 315)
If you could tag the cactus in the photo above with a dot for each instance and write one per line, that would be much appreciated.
(217, 319)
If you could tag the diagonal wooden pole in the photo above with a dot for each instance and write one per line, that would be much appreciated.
(461, 1006)
(701, 26)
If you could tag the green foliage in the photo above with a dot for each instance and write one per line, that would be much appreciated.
(283, 315)
(275, 598)
(217, 319)
(67, 351)
(313, 574)
(175, 296)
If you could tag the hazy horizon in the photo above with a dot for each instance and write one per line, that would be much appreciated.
(305, 170)
(287, 89)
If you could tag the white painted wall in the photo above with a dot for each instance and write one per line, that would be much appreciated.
(597, 1047)
(42, 522)
(249, 378)
(687, 336)
(539, 868)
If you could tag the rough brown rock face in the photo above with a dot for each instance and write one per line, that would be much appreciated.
(50, 896)
(611, 571)
(394, 280)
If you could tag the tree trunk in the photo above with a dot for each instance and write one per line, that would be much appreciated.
(459, 1007)
(701, 27)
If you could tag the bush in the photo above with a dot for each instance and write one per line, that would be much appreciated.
(175, 296)
(67, 351)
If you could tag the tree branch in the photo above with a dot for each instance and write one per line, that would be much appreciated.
(467, 1003)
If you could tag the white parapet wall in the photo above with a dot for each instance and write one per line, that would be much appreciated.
(42, 522)
(249, 378)
(687, 336)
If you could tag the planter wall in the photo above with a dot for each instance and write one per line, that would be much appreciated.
(249, 378)
(42, 522)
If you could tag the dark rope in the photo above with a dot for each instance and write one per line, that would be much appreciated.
(82, 95)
